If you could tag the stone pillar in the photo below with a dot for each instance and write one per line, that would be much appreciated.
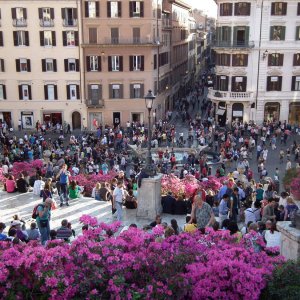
(229, 112)
(149, 198)
(284, 110)
(290, 241)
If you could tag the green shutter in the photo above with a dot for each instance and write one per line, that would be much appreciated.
(271, 33)
(235, 35)
(297, 33)
(247, 29)
(282, 36)
(218, 34)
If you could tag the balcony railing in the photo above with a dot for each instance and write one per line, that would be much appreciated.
(127, 41)
(70, 22)
(95, 103)
(20, 22)
(220, 95)
(46, 23)
(166, 23)
(234, 44)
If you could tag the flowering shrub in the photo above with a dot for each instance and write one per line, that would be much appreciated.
(295, 187)
(134, 265)
(27, 168)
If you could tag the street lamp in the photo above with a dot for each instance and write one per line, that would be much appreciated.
(149, 170)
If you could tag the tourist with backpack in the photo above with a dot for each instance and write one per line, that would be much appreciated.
(63, 176)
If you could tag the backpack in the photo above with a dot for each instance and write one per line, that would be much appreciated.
(34, 212)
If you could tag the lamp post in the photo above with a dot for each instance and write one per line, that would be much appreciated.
(149, 170)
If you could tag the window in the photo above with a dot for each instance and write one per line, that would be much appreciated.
(275, 59)
(136, 63)
(47, 38)
(46, 16)
(114, 9)
(69, 16)
(154, 61)
(296, 83)
(23, 65)
(94, 93)
(163, 58)
(116, 91)
(73, 92)
(71, 65)
(277, 33)
(1, 39)
(2, 92)
(70, 38)
(223, 35)
(239, 60)
(91, 9)
(242, 9)
(49, 65)
(25, 92)
(114, 35)
(298, 9)
(297, 33)
(239, 84)
(19, 16)
(21, 38)
(296, 60)
(136, 90)
(115, 63)
(2, 68)
(274, 83)
(50, 91)
(93, 35)
(136, 9)
(223, 59)
(221, 83)
(225, 9)
(278, 8)
(93, 63)
(136, 34)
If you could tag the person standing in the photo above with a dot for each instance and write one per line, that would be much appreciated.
(63, 176)
(118, 196)
(223, 208)
(234, 204)
(43, 220)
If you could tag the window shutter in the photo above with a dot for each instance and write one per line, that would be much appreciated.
(108, 9)
(142, 90)
(53, 38)
(28, 65)
(280, 59)
(293, 83)
(76, 38)
(13, 13)
(4, 91)
(244, 84)
(26, 38)
(142, 9)
(121, 63)
(297, 38)
(247, 29)
(68, 92)
(54, 65)
(66, 65)
(88, 65)
(75, 15)
(131, 91)
(86, 9)
(25, 13)
(273, 9)
(233, 83)
(63, 13)
(121, 91)
(271, 32)
(268, 83)
(279, 83)
(2, 65)
(64, 36)
(282, 36)
(40, 13)
(77, 91)
(284, 7)
(46, 91)
(245, 60)
(119, 9)
(43, 65)
(42, 38)
(131, 3)
(142, 63)
(100, 91)
(1, 38)
(89, 92)
(29, 92)
(20, 92)
(17, 65)
(218, 34)
(15, 36)
(55, 92)
(110, 91)
(52, 13)
(295, 60)
(235, 35)
(109, 64)
(227, 81)
(130, 63)
(99, 64)
(270, 60)
(77, 65)
(97, 9)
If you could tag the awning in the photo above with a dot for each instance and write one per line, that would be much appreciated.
(220, 112)
(166, 11)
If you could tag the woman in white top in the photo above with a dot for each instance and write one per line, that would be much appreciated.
(38, 186)
(272, 237)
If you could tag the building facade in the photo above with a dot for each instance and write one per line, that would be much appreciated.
(40, 57)
(257, 53)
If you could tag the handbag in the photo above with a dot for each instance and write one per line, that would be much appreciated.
(44, 223)
(54, 205)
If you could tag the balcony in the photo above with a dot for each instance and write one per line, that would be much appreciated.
(91, 103)
(20, 22)
(216, 95)
(46, 23)
(70, 22)
(235, 44)
(166, 24)
(128, 41)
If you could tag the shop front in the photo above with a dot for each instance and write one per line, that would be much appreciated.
(5, 116)
(52, 117)
(238, 112)
(294, 114)
(272, 111)
(221, 114)
(27, 120)
(95, 120)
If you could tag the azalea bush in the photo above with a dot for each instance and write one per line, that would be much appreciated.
(135, 265)
(295, 187)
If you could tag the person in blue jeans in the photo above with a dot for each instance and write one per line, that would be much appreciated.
(63, 177)
(43, 219)
(118, 196)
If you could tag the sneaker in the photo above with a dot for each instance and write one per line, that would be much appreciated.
(61, 204)
(67, 204)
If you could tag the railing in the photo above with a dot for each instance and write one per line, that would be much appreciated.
(234, 44)
(70, 22)
(46, 23)
(166, 23)
(215, 94)
(95, 103)
(20, 22)
(127, 41)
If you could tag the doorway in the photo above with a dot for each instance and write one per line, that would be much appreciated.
(76, 120)
(116, 118)
(272, 112)
(137, 117)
